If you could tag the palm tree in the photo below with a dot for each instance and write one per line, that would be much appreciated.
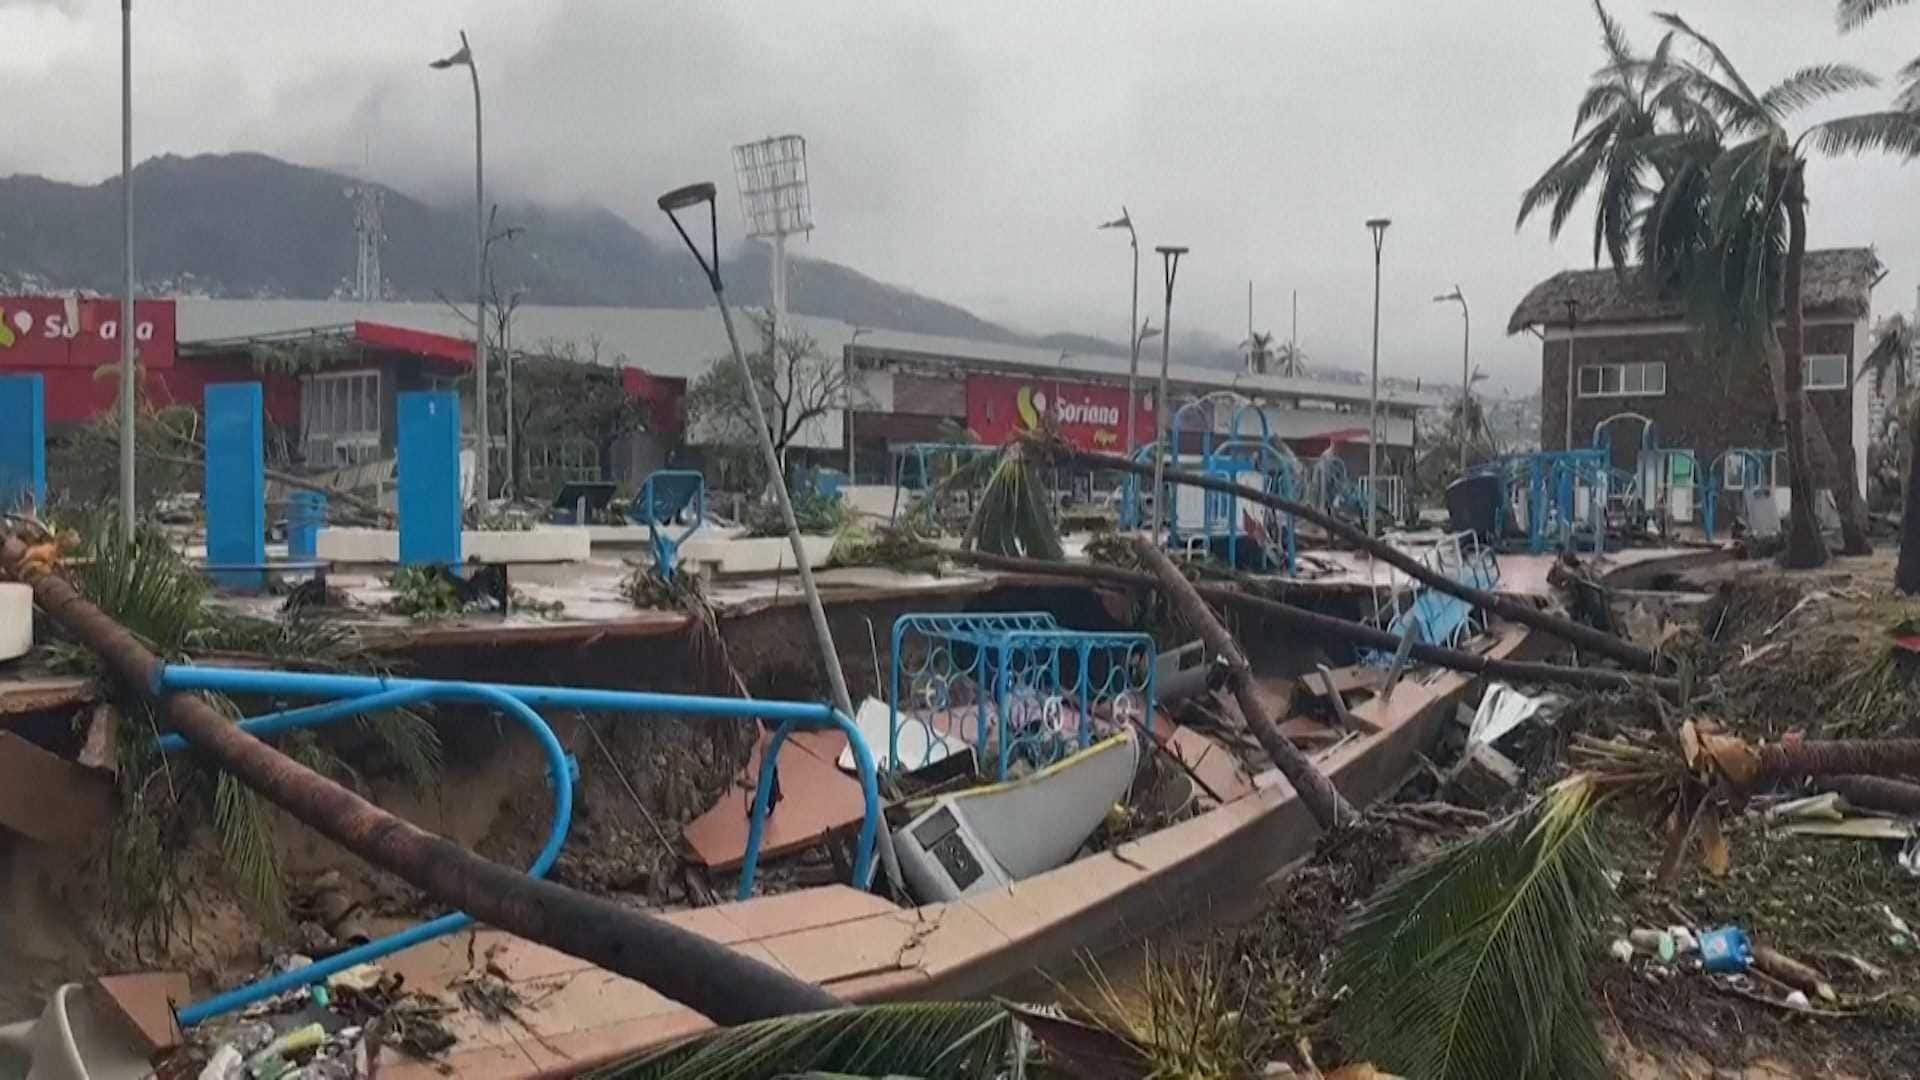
(1699, 173)
(1290, 361)
(1259, 347)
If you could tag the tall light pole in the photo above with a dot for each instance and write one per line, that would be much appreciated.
(1170, 266)
(127, 328)
(1125, 221)
(481, 421)
(846, 356)
(1573, 325)
(1466, 377)
(1377, 226)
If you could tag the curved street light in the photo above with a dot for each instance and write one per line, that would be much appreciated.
(1466, 366)
(482, 433)
(1377, 226)
(691, 197)
(1125, 221)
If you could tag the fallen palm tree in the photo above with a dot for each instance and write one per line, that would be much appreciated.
(1317, 624)
(1585, 637)
(725, 985)
(1329, 807)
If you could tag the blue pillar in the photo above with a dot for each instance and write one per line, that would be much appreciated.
(429, 478)
(23, 442)
(236, 485)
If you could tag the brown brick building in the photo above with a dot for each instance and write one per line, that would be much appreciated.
(1639, 365)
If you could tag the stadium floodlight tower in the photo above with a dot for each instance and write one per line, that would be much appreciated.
(776, 202)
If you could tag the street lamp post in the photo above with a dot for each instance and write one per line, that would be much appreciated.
(1466, 377)
(127, 328)
(1378, 226)
(1573, 325)
(1125, 221)
(846, 356)
(687, 198)
(481, 425)
(1170, 265)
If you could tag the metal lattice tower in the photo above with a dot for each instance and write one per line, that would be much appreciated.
(775, 200)
(368, 233)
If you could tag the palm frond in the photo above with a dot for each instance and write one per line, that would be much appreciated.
(411, 739)
(1474, 963)
(1015, 515)
(1738, 90)
(143, 584)
(1893, 132)
(1810, 84)
(1619, 51)
(933, 1039)
(250, 856)
(1854, 13)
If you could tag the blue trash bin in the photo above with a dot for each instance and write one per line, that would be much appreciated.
(306, 515)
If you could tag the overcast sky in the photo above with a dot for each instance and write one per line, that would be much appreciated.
(966, 150)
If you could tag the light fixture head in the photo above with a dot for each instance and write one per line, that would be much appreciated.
(1171, 249)
(1379, 224)
(683, 197)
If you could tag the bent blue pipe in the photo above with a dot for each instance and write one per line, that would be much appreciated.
(559, 775)
(373, 693)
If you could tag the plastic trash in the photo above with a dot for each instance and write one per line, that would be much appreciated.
(1798, 1000)
(1654, 943)
(1622, 950)
(1726, 951)
(1683, 940)
(225, 1064)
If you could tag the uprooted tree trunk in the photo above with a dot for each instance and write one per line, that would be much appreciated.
(1585, 637)
(1749, 767)
(1313, 624)
(1906, 574)
(1838, 477)
(725, 985)
(1329, 807)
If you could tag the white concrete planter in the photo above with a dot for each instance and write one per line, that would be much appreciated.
(757, 555)
(16, 619)
(534, 546)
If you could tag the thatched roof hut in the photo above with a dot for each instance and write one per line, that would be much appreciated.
(1838, 281)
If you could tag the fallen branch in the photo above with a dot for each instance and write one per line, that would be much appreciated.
(1586, 637)
(359, 503)
(1316, 624)
(1329, 807)
(726, 986)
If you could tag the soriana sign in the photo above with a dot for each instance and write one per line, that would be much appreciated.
(1088, 416)
(69, 332)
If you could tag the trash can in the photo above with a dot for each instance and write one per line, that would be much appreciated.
(306, 515)
(1473, 505)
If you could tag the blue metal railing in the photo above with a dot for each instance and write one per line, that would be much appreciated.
(352, 695)
(1012, 678)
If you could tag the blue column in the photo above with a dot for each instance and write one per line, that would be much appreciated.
(23, 442)
(236, 485)
(429, 478)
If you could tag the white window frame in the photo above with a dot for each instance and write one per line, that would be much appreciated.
(1629, 379)
(340, 416)
(1839, 383)
(1776, 473)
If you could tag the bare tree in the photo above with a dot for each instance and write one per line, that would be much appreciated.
(798, 385)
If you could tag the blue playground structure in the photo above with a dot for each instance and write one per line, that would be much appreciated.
(1014, 685)
(922, 467)
(1754, 471)
(345, 696)
(23, 444)
(663, 500)
(1200, 521)
(1557, 497)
